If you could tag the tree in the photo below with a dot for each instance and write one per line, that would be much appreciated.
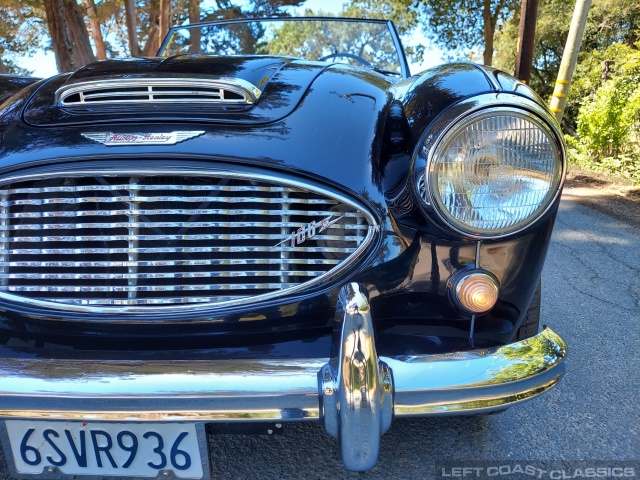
(466, 24)
(237, 38)
(152, 43)
(400, 12)
(96, 32)
(118, 27)
(159, 15)
(313, 40)
(21, 28)
(552, 28)
(610, 22)
(164, 18)
(194, 17)
(608, 121)
(69, 37)
(130, 18)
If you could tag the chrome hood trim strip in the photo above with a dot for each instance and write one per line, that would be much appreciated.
(224, 91)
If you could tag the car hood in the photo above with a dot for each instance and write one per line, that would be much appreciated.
(281, 82)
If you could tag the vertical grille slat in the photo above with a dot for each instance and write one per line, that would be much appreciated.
(133, 239)
(4, 233)
(141, 238)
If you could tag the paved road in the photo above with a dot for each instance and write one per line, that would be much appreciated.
(591, 297)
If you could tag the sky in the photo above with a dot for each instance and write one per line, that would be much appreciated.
(43, 63)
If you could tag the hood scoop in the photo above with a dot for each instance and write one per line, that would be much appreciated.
(246, 90)
(148, 91)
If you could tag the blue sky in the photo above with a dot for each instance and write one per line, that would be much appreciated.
(43, 64)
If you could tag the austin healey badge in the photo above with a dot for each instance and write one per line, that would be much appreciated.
(171, 138)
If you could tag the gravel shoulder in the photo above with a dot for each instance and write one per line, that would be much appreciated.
(611, 196)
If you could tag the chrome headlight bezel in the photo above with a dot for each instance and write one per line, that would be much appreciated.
(453, 121)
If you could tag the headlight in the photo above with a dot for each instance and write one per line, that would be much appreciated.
(494, 172)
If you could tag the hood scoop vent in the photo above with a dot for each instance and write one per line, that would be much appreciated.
(149, 91)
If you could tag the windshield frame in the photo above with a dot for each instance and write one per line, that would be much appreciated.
(402, 60)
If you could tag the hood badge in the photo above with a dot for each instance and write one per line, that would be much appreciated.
(309, 231)
(170, 138)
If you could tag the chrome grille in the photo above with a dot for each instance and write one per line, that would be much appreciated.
(159, 90)
(143, 241)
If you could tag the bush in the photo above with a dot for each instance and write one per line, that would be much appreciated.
(608, 121)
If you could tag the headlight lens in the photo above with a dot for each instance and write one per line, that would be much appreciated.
(494, 172)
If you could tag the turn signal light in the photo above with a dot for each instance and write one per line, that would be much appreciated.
(474, 291)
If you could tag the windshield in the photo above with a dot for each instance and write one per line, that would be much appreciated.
(365, 43)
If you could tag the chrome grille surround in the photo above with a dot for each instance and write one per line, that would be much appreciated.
(142, 242)
(143, 91)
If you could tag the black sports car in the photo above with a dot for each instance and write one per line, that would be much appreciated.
(272, 221)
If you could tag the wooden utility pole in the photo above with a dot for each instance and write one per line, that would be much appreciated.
(526, 40)
(569, 58)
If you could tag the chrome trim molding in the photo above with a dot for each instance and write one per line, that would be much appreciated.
(479, 380)
(168, 90)
(356, 387)
(230, 390)
(263, 390)
(145, 391)
(354, 394)
(359, 230)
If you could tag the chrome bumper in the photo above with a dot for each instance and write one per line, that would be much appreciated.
(355, 394)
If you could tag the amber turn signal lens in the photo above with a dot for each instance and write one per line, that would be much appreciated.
(475, 291)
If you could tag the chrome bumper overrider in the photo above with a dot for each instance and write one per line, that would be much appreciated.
(355, 394)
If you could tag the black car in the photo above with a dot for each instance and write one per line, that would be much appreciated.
(271, 221)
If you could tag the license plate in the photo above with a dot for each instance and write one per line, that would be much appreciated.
(177, 450)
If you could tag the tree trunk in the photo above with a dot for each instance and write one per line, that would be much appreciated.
(488, 32)
(69, 36)
(165, 19)
(96, 33)
(132, 28)
(153, 43)
(2, 68)
(194, 17)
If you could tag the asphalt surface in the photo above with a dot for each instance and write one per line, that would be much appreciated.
(591, 297)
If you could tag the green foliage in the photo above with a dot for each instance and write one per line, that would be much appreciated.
(604, 116)
(602, 125)
(458, 25)
(611, 24)
(626, 166)
(608, 120)
(552, 27)
(343, 42)
(373, 43)
(399, 11)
